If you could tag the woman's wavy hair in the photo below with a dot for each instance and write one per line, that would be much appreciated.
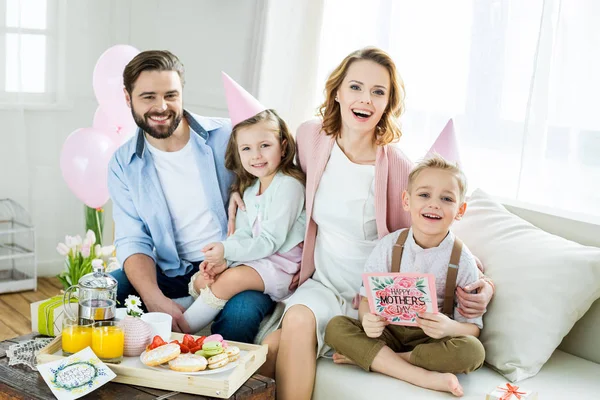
(244, 179)
(388, 128)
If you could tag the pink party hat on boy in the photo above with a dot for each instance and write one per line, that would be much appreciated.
(446, 144)
(241, 104)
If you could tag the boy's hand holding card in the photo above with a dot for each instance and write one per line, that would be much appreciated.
(398, 297)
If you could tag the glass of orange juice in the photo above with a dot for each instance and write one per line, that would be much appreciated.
(75, 337)
(108, 340)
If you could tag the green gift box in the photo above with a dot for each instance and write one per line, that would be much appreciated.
(47, 315)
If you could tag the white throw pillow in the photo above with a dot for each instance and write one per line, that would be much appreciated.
(544, 284)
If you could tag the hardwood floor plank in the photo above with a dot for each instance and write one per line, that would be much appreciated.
(14, 319)
(53, 281)
(18, 302)
(15, 311)
(47, 288)
(32, 297)
(6, 332)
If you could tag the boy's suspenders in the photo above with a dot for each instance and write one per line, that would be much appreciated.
(448, 306)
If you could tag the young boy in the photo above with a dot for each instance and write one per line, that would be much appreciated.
(428, 355)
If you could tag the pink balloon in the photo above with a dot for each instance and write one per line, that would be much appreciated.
(118, 132)
(84, 164)
(108, 82)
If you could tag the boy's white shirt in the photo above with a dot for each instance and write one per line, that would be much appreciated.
(283, 220)
(432, 261)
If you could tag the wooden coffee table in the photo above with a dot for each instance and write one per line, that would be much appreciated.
(20, 382)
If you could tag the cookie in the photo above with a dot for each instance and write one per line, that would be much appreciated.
(233, 353)
(161, 354)
(218, 361)
(212, 348)
(214, 338)
(188, 363)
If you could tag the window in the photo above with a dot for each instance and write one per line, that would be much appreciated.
(29, 51)
(519, 78)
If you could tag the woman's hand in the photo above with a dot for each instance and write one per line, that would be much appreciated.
(436, 325)
(235, 202)
(473, 305)
(214, 252)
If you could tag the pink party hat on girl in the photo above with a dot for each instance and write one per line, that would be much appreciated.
(241, 104)
(446, 144)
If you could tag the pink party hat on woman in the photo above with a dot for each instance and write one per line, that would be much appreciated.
(446, 144)
(241, 104)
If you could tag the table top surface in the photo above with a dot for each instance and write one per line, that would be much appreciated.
(20, 382)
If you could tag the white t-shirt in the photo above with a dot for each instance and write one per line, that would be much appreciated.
(194, 224)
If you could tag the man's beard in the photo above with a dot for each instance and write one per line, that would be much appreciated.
(157, 132)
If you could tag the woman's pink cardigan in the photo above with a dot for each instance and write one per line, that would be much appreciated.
(391, 178)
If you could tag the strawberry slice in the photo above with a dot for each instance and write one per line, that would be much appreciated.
(200, 341)
(184, 349)
(194, 349)
(157, 341)
(188, 340)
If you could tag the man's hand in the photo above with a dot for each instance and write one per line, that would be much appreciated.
(473, 305)
(235, 202)
(214, 252)
(436, 325)
(166, 305)
(374, 325)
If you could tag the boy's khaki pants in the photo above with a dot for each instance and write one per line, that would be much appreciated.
(457, 355)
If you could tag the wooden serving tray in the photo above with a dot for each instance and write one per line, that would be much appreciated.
(132, 371)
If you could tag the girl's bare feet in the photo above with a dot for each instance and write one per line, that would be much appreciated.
(341, 359)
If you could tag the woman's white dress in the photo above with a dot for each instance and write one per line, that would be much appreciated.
(344, 211)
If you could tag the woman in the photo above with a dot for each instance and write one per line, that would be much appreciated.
(354, 185)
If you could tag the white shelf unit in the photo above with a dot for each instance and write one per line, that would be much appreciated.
(18, 261)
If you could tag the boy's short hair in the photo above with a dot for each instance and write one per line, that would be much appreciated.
(439, 162)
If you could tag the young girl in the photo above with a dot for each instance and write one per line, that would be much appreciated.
(266, 246)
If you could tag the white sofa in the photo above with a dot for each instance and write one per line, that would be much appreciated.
(573, 371)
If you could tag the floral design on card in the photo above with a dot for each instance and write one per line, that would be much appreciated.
(400, 296)
(75, 376)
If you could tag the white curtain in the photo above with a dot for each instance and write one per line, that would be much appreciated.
(520, 78)
(289, 63)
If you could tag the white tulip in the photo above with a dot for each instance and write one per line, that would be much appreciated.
(91, 236)
(76, 241)
(62, 249)
(107, 250)
(85, 250)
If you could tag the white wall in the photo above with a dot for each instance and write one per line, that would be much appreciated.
(208, 36)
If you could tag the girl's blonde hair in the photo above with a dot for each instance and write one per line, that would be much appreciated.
(244, 179)
(388, 128)
(439, 162)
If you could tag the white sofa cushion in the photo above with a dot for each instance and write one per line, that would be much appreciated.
(563, 377)
(544, 284)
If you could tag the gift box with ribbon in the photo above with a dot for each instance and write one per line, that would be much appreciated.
(511, 392)
(47, 315)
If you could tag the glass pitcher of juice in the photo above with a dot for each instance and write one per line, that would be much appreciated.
(75, 337)
(108, 340)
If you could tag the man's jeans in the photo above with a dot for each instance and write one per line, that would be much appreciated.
(239, 320)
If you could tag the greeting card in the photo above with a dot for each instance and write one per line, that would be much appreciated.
(400, 296)
(75, 376)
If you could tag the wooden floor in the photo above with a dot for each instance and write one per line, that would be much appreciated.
(15, 318)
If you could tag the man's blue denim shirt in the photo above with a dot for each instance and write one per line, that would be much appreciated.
(142, 219)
